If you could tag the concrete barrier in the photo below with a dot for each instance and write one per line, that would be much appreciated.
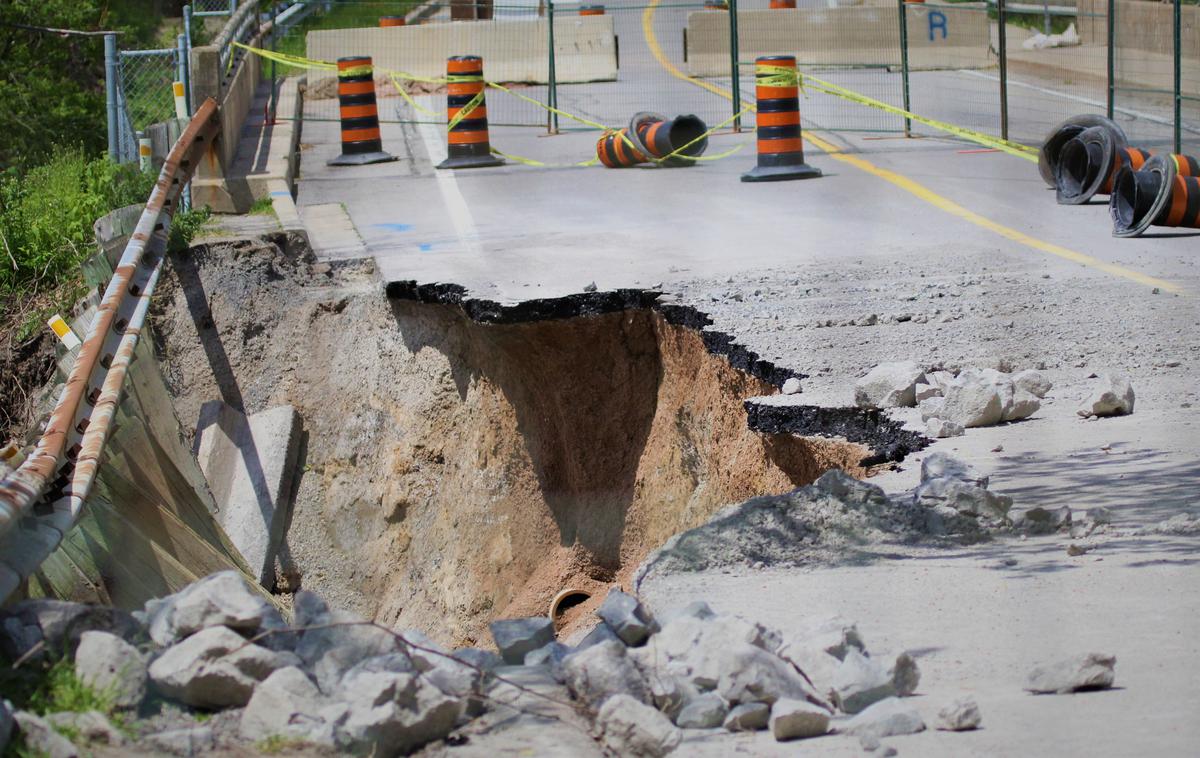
(513, 50)
(940, 36)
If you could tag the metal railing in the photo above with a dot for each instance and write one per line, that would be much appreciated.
(42, 499)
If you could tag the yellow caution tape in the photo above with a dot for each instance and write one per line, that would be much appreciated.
(295, 61)
(987, 140)
(540, 164)
(407, 97)
(396, 77)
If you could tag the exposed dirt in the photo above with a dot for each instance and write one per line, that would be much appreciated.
(457, 471)
(25, 367)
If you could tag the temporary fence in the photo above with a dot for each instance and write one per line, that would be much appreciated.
(984, 66)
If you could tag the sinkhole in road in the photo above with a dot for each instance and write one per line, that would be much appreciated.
(467, 461)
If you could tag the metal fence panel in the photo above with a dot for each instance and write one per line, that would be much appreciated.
(145, 95)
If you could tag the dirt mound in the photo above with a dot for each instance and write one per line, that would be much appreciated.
(460, 471)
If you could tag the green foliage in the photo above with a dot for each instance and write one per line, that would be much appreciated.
(52, 687)
(46, 215)
(344, 15)
(184, 227)
(263, 207)
(276, 744)
(52, 87)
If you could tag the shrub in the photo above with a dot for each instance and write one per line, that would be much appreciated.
(46, 216)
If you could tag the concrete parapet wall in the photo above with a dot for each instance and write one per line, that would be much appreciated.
(940, 36)
(234, 92)
(513, 50)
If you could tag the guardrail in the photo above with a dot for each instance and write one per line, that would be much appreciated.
(42, 500)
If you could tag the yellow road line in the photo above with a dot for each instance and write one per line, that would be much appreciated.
(908, 185)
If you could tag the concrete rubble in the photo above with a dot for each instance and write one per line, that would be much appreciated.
(644, 689)
(889, 385)
(108, 663)
(959, 715)
(1091, 671)
(1111, 395)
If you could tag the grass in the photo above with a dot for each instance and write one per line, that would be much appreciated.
(184, 227)
(46, 217)
(263, 207)
(344, 15)
(45, 688)
(276, 744)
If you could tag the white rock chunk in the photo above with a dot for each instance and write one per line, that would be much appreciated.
(1091, 671)
(603, 671)
(1112, 396)
(1033, 382)
(629, 727)
(107, 663)
(797, 719)
(976, 398)
(703, 712)
(941, 465)
(516, 638)
(791, 386)
(220, 599)
(960, 715)
(939, 429)
(889, 385)
(887, 718)
(859, 682)
(906, 675)
(215, 668)
(627, 617)
(748, 717)
(288, 704)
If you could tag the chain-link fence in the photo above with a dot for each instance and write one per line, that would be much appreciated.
(1006, 69)
(145, 94)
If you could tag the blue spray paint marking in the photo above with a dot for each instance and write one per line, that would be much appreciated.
(281, 193)
(425, 247)
(937, 20)
(395, 227)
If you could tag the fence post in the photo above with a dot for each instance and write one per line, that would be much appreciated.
(904, 66)
(181, 70)
(110, 92)
(187, 33)
(735, 73)
(1111, 39)
(552, 84)
(1178, 77)
(1002, 15)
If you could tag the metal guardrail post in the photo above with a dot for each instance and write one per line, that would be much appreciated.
(904, 67)
(181, 66)
(1002, 14)
(552, 75)
(1111, 34)
(1178, 34)
(110, 92)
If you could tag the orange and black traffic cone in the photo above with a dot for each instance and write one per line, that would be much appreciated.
(649, 136)
(1165, 192)
(1089, 162)
(361, 143)
(467, 140)
(780, 141)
